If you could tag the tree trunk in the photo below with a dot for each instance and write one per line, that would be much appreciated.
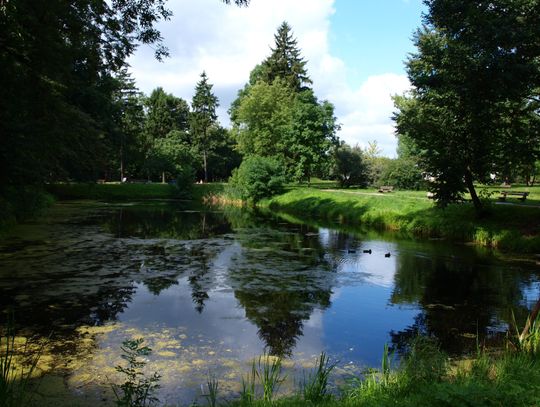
(470, 186)
(163, 177)
(205, 169)
(122, 162)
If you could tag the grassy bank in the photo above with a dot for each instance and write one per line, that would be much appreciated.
(509, 228)
(131, 192)
(428, 378)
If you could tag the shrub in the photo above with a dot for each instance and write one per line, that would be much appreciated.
(256, 178)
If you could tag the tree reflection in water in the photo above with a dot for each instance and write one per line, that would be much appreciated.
(279, 279)
(464, 300)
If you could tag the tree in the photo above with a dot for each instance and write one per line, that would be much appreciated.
(170, 156)
(471, 79)
(203, 119)
(263, 119)
(277, 115)
(58, 63)
(350, 167)
(165, 112)
(257, 178)
(285, 62)
(130, 122)
(377, 165)
(56, 81)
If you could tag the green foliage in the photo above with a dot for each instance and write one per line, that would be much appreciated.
(425, 362)
(138, 390)
(202, 119)
(213, 387)
(256, 178)
(277, 115)
(265, 374)
(285, 62)
(17, 366)
(412, 214)
(350, 166)
(57, 82)
(315, 386)
(171, 156)
(165, 113)
(473, 109)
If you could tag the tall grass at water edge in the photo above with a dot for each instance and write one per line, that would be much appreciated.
(18, 363)
(509, 228)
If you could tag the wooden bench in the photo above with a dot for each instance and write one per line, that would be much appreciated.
(386, 188)
(521, 195)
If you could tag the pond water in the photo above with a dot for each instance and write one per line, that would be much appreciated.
(211, 290)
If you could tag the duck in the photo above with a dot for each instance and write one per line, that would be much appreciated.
(351, 251)
(387, 255)
(367, 251)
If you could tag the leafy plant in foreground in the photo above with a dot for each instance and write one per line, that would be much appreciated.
(315, 386)
(138, 390)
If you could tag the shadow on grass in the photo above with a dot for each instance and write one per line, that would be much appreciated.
(508, 228)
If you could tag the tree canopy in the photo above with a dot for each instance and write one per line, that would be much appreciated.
(473, 85)
(64, 114)
(203, 118)
(277, 115)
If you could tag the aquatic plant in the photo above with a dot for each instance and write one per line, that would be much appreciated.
(315, 385)
(269, 374)
(138, 390)
(212, 384)
(247, 394)
(265, 374)
(17, 367)
(528, 339)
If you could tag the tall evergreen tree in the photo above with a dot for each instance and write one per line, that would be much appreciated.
(203, 118)
(276, 114)
(285, 62)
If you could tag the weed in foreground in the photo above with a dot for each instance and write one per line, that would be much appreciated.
(315, 385)
(15, 374)
(212, 384)
(265, 375)
(138, 390)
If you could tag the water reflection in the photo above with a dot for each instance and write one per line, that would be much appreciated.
(237, 283)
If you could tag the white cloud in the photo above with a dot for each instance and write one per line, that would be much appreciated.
(227, 42)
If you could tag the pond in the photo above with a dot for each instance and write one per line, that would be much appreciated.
(211, 290)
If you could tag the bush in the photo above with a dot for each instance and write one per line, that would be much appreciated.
(256, 178)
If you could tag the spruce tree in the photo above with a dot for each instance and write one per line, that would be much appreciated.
(285, 62)
(203, 118)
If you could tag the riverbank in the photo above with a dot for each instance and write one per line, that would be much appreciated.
(132, 192)
(509, 227)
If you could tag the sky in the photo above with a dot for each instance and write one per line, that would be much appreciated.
(355, 52)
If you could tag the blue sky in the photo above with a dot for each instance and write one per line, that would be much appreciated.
(355, 51)
(373, 37)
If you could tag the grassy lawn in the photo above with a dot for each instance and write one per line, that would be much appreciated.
(512, 226)
(127, 192)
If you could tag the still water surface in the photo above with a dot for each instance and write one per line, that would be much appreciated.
(211, 290)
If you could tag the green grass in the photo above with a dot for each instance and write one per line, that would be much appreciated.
(127, 192)
(512, 228)
(427, 377)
